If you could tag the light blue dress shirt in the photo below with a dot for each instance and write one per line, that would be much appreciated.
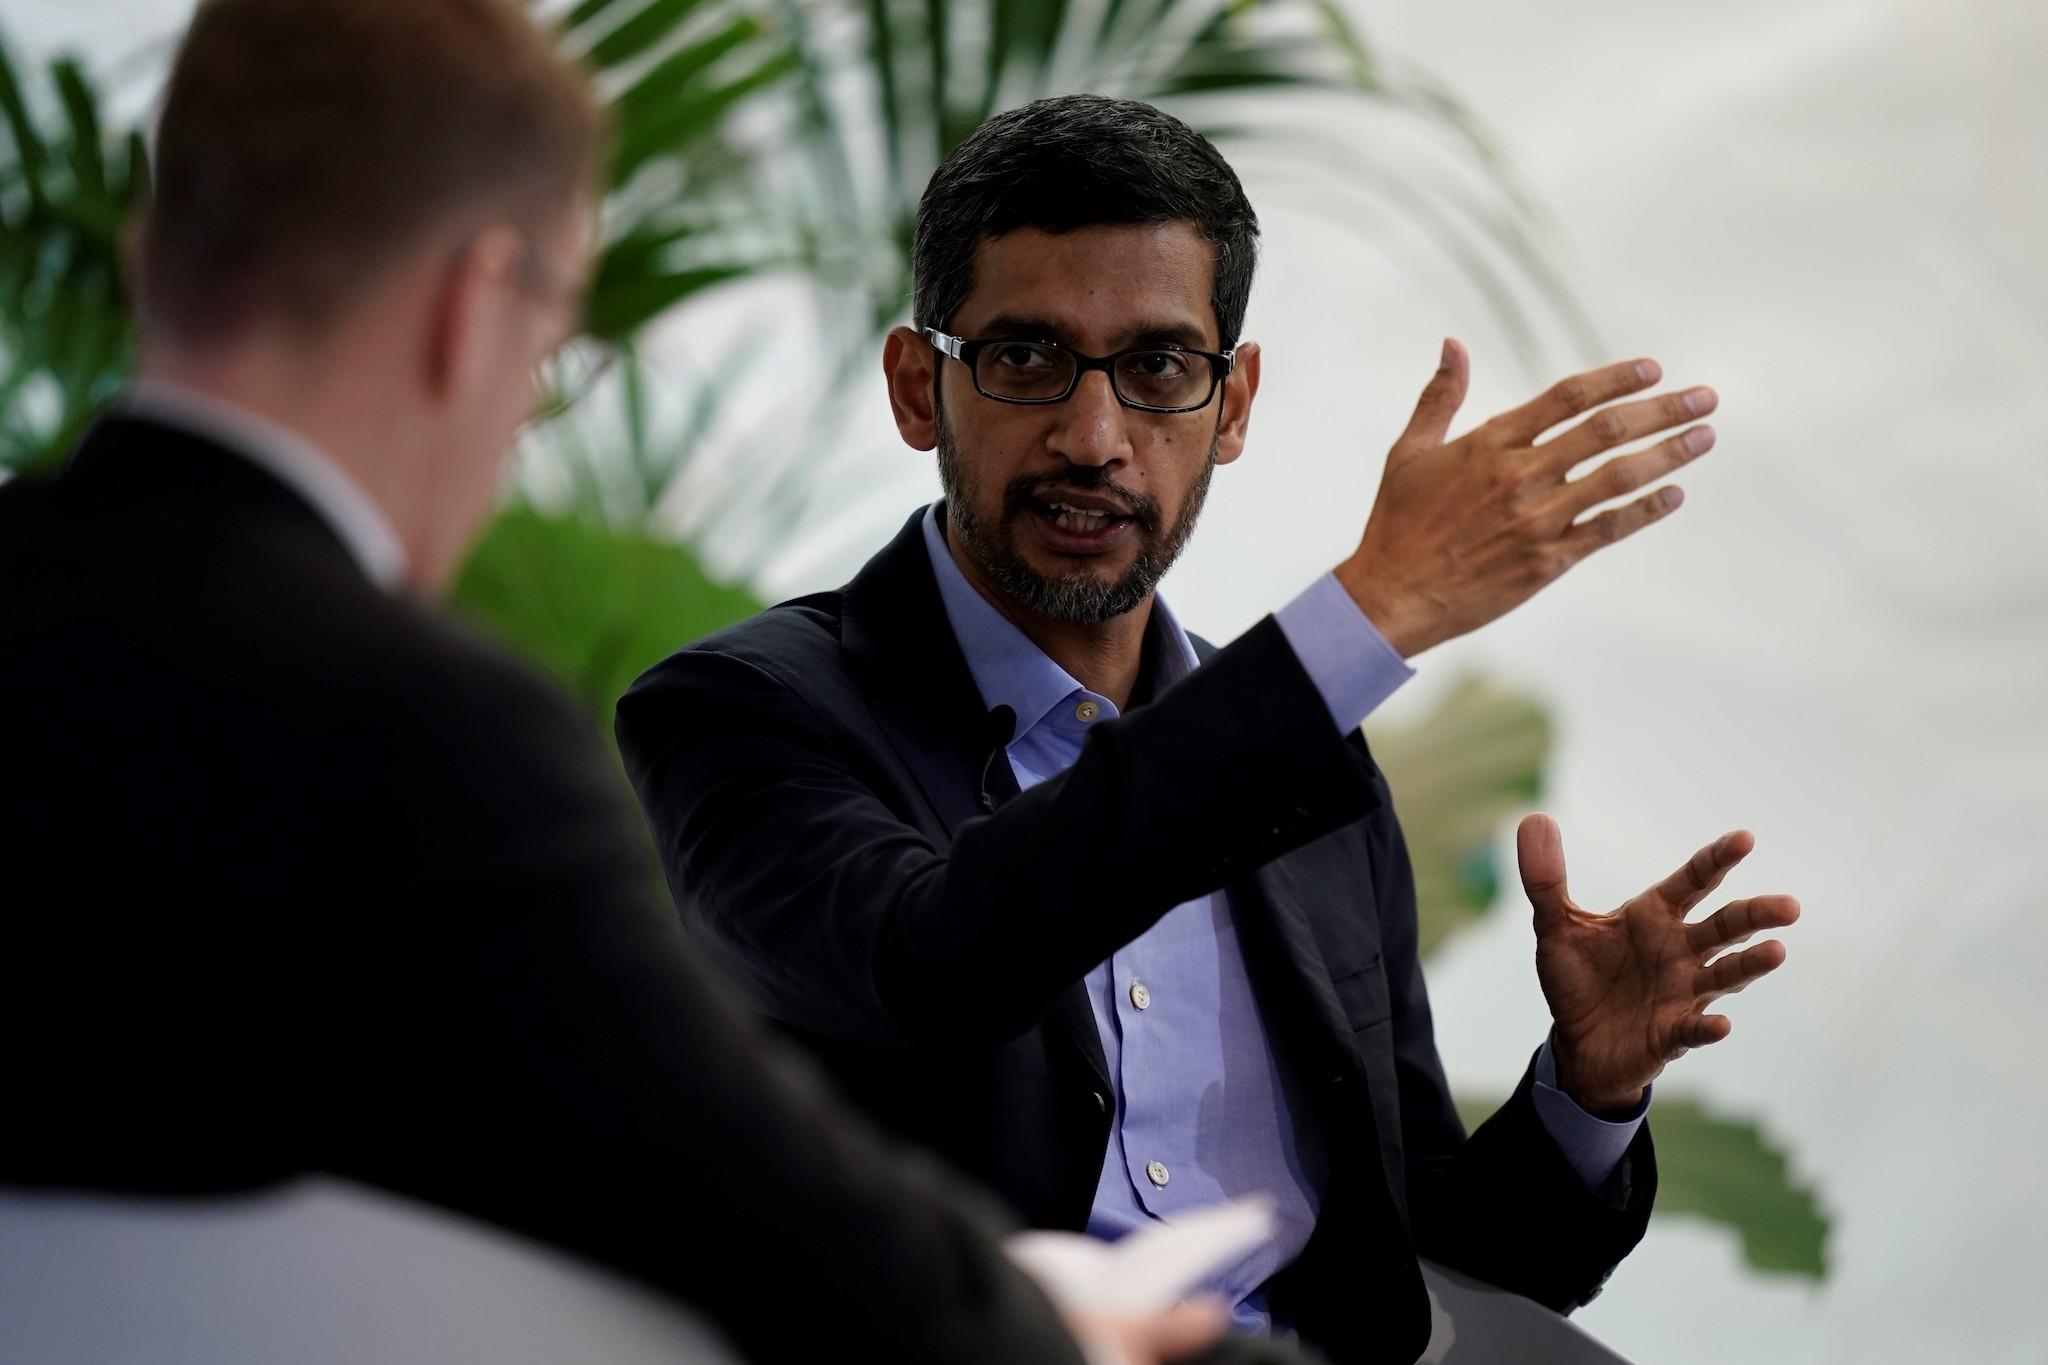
(1202, 1109)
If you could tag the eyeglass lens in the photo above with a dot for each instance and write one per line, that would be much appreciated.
(1033, 372)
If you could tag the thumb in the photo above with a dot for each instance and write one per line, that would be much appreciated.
(1539, 847)
(1440, 401)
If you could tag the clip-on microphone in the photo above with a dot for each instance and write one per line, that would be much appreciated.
(1002, 724)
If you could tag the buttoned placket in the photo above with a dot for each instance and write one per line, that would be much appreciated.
(1151, 1171)
(1157, 1164)
(1068, 724)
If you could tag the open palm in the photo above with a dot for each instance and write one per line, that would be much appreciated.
(1629, 990)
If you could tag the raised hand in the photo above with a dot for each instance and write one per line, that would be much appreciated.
(1629, 990)
(1464, 531)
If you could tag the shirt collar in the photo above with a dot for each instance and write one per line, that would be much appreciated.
(326, 487)
(1007, 667)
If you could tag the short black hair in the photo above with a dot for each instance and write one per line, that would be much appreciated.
(1076, 161)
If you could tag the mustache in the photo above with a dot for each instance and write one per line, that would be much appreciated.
(1027, 490)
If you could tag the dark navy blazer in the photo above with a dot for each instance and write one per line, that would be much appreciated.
(815, 780)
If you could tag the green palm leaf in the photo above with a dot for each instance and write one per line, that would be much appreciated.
(870, 95)
(1727, 1171)
(65, 191)
(591, 605)
(1457, 774)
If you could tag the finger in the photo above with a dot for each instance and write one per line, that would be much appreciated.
(1625, 422)
(1568, 398)
(1737, 922)
(1727, 975)
(1613, 527)
(1700, 1030)
(1440, 401)
(1685, 888)
(1620, 477)
(1185, 1329)
(1539, 848)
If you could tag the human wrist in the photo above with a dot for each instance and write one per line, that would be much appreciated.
(1612, 1106)
(1396, 617)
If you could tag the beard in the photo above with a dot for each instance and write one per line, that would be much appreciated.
(1083, 597)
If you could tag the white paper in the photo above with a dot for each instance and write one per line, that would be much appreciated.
(1148, 1271)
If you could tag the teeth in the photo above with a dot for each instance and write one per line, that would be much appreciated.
(1074, 519)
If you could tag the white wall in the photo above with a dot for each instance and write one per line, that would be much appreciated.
(1834, 212)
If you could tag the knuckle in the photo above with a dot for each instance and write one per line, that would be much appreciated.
(1570, 394)
(1617, 478)
(1528, 534)
(1608, 425)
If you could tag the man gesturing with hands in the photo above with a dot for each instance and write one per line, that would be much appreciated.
(1123, 925)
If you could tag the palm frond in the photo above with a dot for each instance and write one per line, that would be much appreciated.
(65, 191)
(879, 91)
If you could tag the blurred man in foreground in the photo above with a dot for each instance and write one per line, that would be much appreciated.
(1123, 925)
(301, 878)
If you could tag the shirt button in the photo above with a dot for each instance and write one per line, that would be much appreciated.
(1156, 1173)
(1141, 997)
(1087, 711)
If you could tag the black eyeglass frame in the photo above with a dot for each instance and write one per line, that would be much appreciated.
(1221, 363)
(553, 399)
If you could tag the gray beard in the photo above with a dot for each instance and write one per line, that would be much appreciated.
(1081, 598)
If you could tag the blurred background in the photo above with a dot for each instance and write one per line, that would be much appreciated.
(1833, 212)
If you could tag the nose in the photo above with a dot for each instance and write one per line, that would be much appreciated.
(1089, 428)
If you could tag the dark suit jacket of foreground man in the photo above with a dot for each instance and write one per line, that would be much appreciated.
(299, 878)
(815, 779)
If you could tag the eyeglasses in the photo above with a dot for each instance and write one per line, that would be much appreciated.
(566, 378)
(1149, 378)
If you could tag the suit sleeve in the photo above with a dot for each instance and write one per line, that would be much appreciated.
(849, 923)
(1503, 1205)
(541, 1049)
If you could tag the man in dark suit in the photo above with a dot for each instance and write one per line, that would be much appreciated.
(299, 876)
(1122, 925)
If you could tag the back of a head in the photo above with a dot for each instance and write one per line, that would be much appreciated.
(307, 144)
(1076, 161)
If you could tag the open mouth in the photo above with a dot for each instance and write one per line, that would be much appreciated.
(1067, 517)
(1080, 525)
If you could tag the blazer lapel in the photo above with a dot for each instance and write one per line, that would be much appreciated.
(900, 647)
(899, 644)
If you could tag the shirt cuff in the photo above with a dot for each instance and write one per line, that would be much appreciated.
(1593, 1146)
(1349, 662)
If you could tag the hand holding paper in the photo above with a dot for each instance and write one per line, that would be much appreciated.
(1121, 1296)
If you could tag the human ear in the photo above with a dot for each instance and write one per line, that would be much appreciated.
(908, 367)
(1240, 387)
(468, 318)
